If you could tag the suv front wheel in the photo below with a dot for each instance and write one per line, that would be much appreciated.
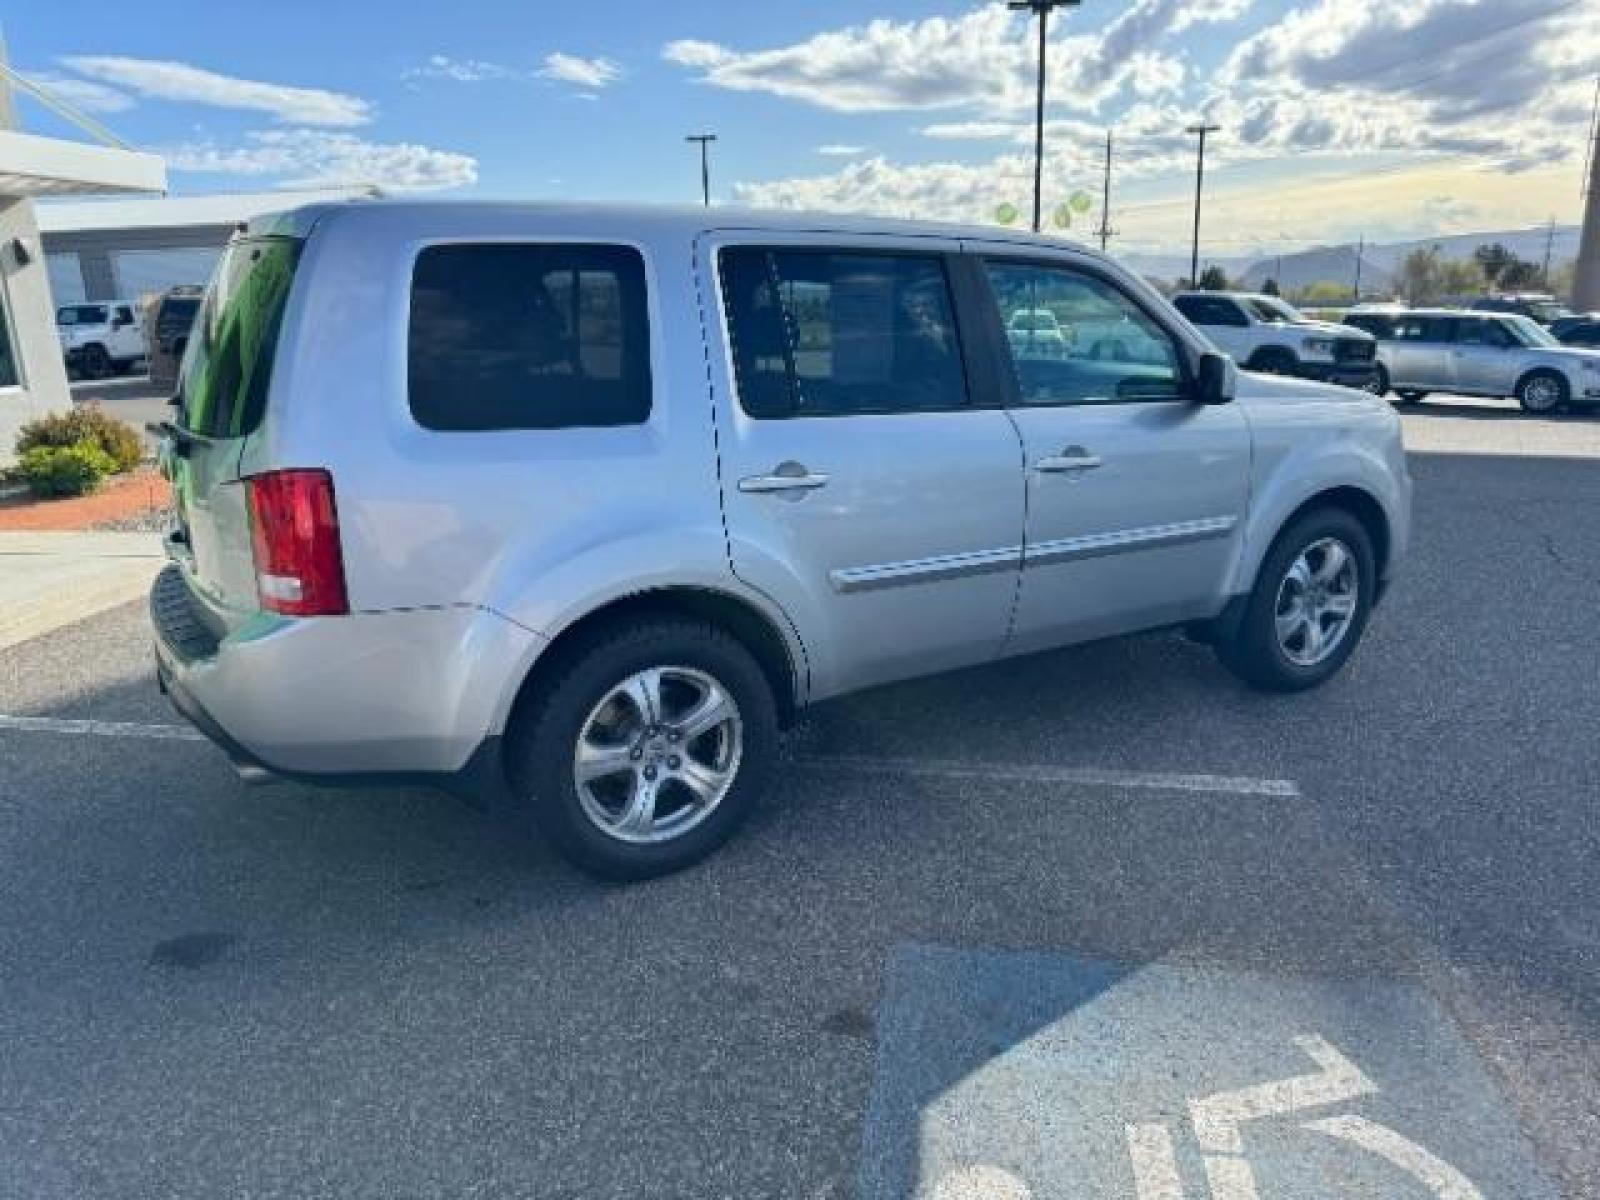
(649, 750)
(1309, 606)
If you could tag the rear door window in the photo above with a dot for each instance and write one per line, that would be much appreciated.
(228, 366)
(521, 336)
(1211, 310)
(839, 333)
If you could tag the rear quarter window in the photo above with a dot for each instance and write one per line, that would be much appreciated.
(525, 336)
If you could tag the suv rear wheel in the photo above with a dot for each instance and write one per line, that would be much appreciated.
(94, 362)
(1309, 606)
(650, 750)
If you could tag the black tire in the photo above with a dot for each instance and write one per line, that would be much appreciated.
(1535, 394)
(95, 363)
(1274, 360)
(1253, 652)
(544, 737)
(1379, 383)
(1410, 397)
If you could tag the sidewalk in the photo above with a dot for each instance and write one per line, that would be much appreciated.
(48, 580)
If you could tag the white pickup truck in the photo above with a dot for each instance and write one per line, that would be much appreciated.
(1262, 333)
(99, 339)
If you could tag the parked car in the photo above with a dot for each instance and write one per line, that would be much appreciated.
(1480, 354)
(1036, 331)
(168, 317)
(1541, 306)
(1263, 333)
(1580, 329)
(576, 507)
(98, 340)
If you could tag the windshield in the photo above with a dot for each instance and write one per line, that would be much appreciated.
(1268, 309)
(226, 369)
(1548, 310)
(1529, 332)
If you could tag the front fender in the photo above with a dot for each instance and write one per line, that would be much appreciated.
(1290, 470)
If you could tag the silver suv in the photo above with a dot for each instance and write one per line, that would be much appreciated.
(577, 507)
(1500, 355)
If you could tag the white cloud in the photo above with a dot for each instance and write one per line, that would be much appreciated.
(984, 58)
(461, 70)
(313, 157)
(82, 94)
(195, 85)
(589, 73)
(972, 131)
(837, 150)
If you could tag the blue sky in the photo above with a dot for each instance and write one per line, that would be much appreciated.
(1392, 118)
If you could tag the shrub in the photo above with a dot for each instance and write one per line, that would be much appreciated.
(65, 470)
(90, 423)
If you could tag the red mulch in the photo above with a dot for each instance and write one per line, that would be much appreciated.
(120, 497)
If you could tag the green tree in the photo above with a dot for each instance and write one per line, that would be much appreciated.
(1213, 279)
(1458, 278)
(1420, 275)
(1270, 287)
(1323, 293)
(1493, 260)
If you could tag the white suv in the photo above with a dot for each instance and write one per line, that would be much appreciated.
(98, 340)
(1263, 333)
(574, 507)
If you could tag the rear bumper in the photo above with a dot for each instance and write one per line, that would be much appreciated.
(371, 697)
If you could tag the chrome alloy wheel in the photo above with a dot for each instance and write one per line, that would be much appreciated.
(1317, 602)
(657, 755)
(1542, 394)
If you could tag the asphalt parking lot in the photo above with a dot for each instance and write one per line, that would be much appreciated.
(1100, 924)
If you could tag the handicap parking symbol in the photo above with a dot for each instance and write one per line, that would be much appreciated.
(1032, 1077)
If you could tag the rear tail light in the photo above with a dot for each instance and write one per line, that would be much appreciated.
(294, 532)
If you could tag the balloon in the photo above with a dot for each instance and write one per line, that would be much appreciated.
(1080, 202)
(1006, 214)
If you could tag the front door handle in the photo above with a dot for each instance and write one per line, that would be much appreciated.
(1073, 458)
(790, 477)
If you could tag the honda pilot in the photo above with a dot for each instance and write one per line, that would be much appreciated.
(575, 508)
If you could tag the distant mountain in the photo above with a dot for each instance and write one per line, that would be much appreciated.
(1379, 262)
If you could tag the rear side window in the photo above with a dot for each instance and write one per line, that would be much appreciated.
(1378, 327)
(838, 333)
(1211, 310)
(514, 336)
(228, 366)
(1423, 329)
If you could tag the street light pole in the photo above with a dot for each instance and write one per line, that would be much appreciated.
(1199, 179)
(705, 140)
(1042, 8)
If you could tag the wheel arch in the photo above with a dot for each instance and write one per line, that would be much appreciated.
(1360, 504)
(1543, 369)
(778, 652)
(1275, 352)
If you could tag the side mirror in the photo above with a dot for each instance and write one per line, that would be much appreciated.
(1215, 379)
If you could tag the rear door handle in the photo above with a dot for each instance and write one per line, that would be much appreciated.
(782, 481)
(1071, 461)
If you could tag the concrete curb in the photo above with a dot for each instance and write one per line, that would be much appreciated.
(48, 580)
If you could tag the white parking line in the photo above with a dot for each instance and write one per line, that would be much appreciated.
(1237, 785)
(920, 768)
(121, 729)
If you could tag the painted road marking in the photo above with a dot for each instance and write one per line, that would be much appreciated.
(1106, 1081)
(1432, 1172)
(117, 729)
(1086, 776)
(934, 769)
(1217, 1118)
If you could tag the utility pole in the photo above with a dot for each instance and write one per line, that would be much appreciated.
(1105, 231)
(1041, 8)
(1199, 182)
(1586, 281)
(705, 140)
(1549, 245)
(1361, 253)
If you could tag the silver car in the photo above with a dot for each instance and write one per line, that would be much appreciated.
(1503, 355)
(575, 508)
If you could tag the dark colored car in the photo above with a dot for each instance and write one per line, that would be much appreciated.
(1581, 330)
